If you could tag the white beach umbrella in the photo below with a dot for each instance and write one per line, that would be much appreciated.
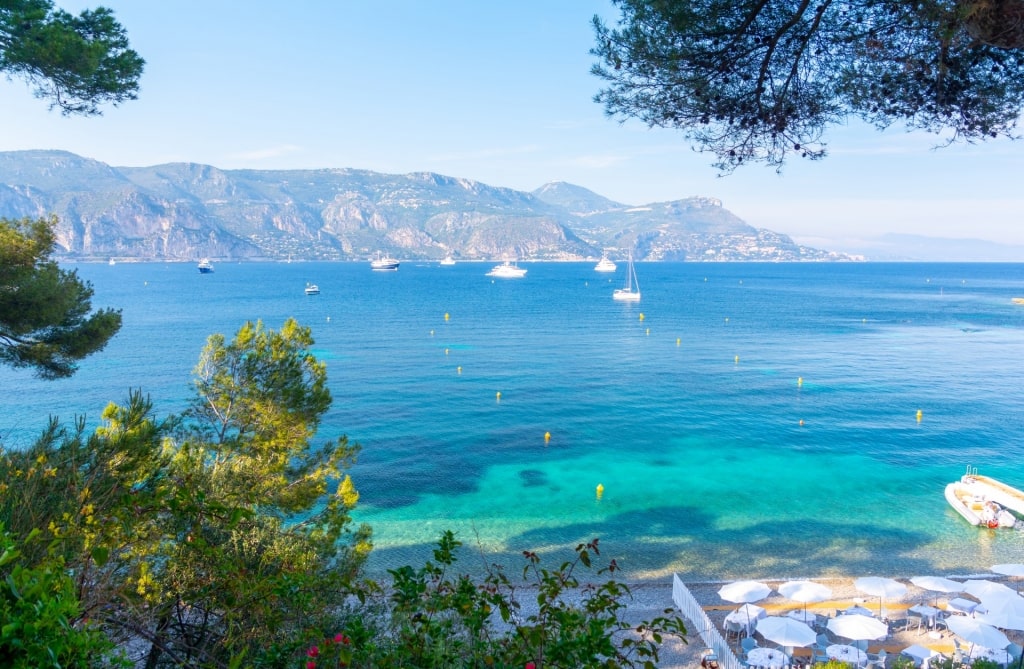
(983, 589)
(744, 591)
(880, 587)
(1009, 569)
(1003, 612)
(805, 592)
(858, 628)
(977, 632)
(786, 631)
(937, 584)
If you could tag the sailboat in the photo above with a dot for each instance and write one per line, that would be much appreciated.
(631, 293)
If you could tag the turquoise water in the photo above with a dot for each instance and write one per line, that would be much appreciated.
(686, 407)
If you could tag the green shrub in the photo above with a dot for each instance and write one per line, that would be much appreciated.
(40, 624)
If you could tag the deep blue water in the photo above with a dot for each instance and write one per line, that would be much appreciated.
(686, 407)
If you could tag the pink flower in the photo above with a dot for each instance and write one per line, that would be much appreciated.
(313, 651)
(530, 665)
(341, 638)
(311, 665)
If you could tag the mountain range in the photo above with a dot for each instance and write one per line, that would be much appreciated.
(186, 211)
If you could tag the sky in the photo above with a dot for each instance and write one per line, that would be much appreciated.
(497, 92)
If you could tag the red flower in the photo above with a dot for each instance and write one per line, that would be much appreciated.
(311, 665)
(341, 638)
(313, 651)
(530, 665)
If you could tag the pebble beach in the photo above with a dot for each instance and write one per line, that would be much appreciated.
(650, 599)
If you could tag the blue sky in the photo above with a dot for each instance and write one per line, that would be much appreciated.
(496, 92)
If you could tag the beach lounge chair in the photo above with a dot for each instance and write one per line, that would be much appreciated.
(734, 629)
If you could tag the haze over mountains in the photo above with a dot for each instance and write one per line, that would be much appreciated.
(184, 211)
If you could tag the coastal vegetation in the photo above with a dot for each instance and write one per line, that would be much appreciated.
(222, 537)
(45, 319)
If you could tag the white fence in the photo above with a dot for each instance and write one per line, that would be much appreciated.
(692, 611)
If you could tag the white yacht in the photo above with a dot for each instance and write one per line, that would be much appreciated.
(604, 265)
(383, 262)
(507, 270)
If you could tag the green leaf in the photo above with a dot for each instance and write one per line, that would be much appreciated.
(100, 555)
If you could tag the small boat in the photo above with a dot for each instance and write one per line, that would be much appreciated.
(312, 289)
(1018, 300)
(205, 266)
(977, 510)
(448, 260)
(1002, 494)
(383, 262)
(111, 262)
(507, 270)
(604, 265)
(631, 293)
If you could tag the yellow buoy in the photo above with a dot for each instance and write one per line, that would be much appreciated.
(446, 316)
(648, 332)
(678, 340)
(736, 360)
(600, 490)
(799, 381)
(547, 437)
(919, 414)
(498, 396)
(641, 315)
(458, 369)
(801, 422)
(446, 351)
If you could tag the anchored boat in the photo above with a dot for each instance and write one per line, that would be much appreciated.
(982, 500)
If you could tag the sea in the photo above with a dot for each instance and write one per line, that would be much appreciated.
(742, 420)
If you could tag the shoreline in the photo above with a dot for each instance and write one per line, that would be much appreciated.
(650, 598)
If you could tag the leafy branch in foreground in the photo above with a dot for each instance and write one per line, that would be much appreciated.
(761, 80)
(45, 319)
(551, 620)
(77, 62)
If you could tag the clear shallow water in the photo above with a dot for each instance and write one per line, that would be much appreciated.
(688, 417)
